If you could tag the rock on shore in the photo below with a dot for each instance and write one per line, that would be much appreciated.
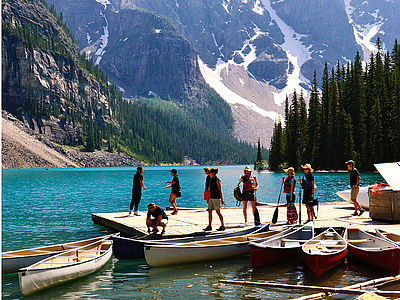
(23, 148)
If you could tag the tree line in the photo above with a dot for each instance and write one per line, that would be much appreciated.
(355, 115)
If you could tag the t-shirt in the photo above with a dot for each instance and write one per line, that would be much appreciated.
(136, 186)
(215, 192)
(307, 181)
(157, 212)
(175, 185)
(353, 176)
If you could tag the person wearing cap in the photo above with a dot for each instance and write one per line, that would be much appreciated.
(250, 186)
(307, 183)
(355, 187)
(175, 190)
(215, 200)
(288, 188)
(156, 216)
(207, 189)
(137, 186)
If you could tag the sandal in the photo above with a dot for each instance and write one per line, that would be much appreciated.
(354, 214)
(361, 212)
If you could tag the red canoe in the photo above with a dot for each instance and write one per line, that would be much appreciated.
(324, 252)
(373, 250)
(280, 248)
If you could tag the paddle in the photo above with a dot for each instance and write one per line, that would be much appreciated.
(299, 200)
(275, 216)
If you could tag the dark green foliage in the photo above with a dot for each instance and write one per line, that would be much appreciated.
(357, 117)
(260, 163)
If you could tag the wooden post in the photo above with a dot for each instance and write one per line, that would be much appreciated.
(345, 290)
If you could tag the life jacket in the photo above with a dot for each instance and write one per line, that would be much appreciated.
(250, 184)
(287, 186)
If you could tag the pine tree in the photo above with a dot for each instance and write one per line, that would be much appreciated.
(260, 162)
(275, 156)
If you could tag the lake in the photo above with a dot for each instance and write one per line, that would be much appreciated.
(44, 207)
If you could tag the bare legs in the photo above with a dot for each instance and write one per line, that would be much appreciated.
(253, 206)
(172, 200)
(310, 213)
(219, 215)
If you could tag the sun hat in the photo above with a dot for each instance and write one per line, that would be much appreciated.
(307, 166)
(151, 205)
(207, 169)
(214, 170)
(174, 171)
(350, 162)
(289, 171)
(247, 168)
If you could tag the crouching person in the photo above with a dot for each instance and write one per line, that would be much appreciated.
(156, 217)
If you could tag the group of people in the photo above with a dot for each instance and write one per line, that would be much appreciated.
(156, 216)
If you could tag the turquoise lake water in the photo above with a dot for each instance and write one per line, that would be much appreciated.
(44, 207)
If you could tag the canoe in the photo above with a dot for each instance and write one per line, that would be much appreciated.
(324, 252)
(362, 197)
(12, 261)
(128, 248)
(64, 267)
(280, 248)
(163, 255)
(388, 235)
(373, 250)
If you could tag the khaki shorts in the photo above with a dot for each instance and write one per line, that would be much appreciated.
(354, 193)
(214, 204)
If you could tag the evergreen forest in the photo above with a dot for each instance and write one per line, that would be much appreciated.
(355, 115)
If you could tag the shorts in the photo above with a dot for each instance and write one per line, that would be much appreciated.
(177, 194)
(154, 221)
(288, 198)
(249, 196)
(354, 193)
(214, 204)
(307, 196)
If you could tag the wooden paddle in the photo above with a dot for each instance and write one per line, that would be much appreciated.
(275, 216)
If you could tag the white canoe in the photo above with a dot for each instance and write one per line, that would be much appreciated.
(163, 255)
(65, 266)
(12, 261)
(362, 197)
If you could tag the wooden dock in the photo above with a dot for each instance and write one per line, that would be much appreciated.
(187, 222)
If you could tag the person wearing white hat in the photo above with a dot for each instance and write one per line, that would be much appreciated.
(250, 186)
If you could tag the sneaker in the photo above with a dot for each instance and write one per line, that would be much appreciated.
(174, 212)
(222, 228)
(361, 212)
(155, 230)
(136, 213)
(354, 214)
(208, 228)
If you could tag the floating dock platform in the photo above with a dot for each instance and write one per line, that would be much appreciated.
(192, 221)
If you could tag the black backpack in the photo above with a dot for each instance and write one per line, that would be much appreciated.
(237, 193)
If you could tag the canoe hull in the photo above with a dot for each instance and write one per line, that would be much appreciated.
(260, 257)
(161, 256)
(13, 264)
(388, 259)
(126, 248)
(362, 197)
(32, 281)
(321, 264)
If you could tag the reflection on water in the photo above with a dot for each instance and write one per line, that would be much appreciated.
(47, 207)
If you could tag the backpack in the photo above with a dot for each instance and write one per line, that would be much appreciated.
(237, 193)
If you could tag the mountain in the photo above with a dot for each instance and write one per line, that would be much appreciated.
(255, 52)
(67, 101)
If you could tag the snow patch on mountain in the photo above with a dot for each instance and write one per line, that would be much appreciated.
(213, 78)
(296, 52)
(104, 2)
(103, 40)
(364, 33)
(258, 8)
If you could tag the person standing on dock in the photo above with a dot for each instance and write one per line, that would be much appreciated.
(250, 186)
(175, 190)
(307, 183)
(288, 189)
(355, 187)
(207, 188)
(215, 200)
(137, 190)
(156, 216)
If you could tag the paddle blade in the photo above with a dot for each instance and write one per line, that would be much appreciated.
(275, 216)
